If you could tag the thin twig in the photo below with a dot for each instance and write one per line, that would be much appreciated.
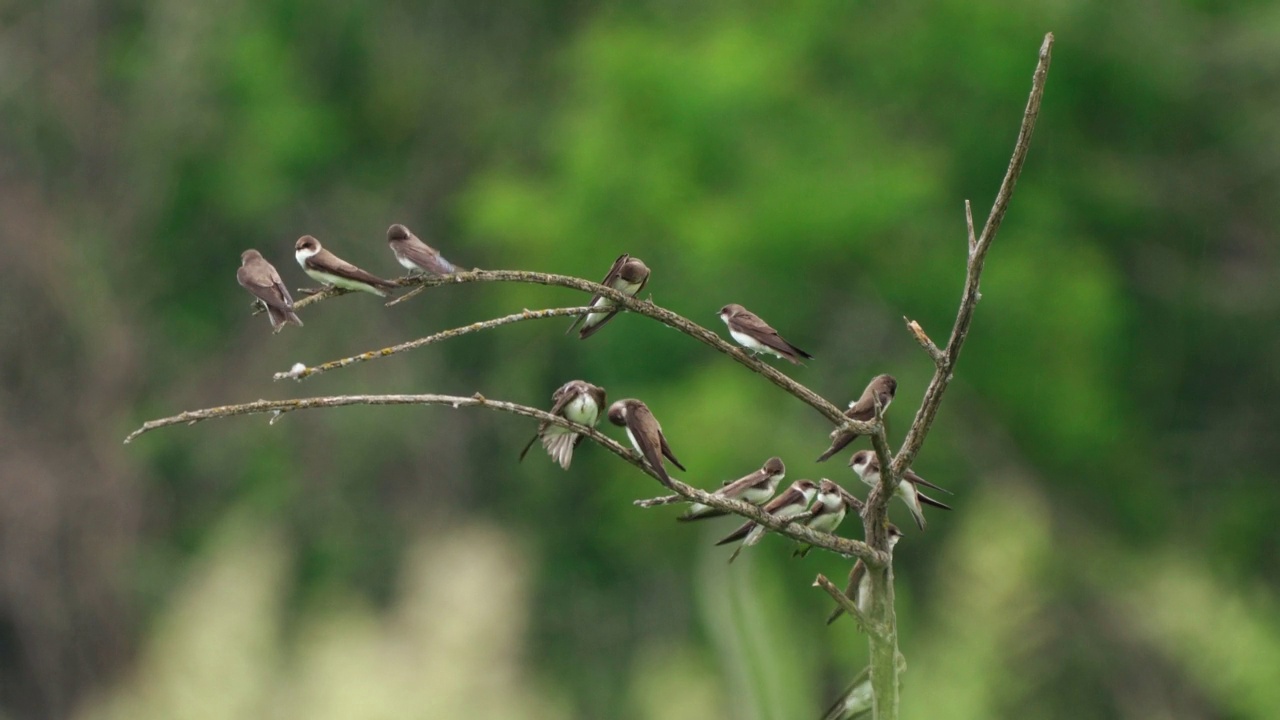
(406, 296)
(790, 527)
(848, 605)
(299, 373)
(655, 502)
(938, 357)
(648, 309)
(969, 300)
(968, 221)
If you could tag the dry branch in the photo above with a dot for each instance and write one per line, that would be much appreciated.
(848, 605)
(648, 309)
(277, 408)
(305, 372)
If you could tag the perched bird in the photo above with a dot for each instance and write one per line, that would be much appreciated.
(882, 388)
(755, 488)
(260, 278)
(789, 504)
(755, 334)
(857, 700)
(325, 267)
(645, 434)
(867, 466)
(826, 513)
(628, 275)
(859, 587)
(576, 400)
(415, 255)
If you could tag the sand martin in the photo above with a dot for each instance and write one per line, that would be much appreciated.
(260, 278)
(755, 488)
(826, 513)
(415, 255)
(628, 275)
(755, 334)
(576, 400)
(856, 702)
(867, 466)
(882, 387)
(858, 588)
(793, 501)
(645, 434)
(325, 267)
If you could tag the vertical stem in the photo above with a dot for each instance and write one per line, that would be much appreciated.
(884, 647)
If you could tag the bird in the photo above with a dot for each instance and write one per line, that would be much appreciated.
(259, 277)
(754, 334)
(755, 488)
(576, 400)
(859, 587)
(414, 255)
(867, 466)
(325, 267)
(790, 503)
(826, 513)
(856, 702)
(881, 388)
(645, 434)
(629, 276)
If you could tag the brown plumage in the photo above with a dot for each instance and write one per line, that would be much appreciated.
(576, 400)
(645, 434)
(260, 278)
(415, 255)
(325, 267)
(858, 589)
(881, 387)
(754, 334)
(627, 275)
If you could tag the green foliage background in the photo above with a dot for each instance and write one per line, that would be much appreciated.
(1109, 437)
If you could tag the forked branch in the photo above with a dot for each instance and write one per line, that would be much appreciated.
(277, 408)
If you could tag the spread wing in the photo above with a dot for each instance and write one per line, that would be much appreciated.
(561, 397)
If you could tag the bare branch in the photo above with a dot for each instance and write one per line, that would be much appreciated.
(655, 502)
(918, 332)
(301, 373)
(790, 528)
(969, 299)
(848, 606)
(412, 293)
(968, 221)
(640, 307)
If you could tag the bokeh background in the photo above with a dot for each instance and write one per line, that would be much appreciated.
(1110, 437)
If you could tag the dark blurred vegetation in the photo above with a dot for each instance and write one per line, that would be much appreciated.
(1110, 436)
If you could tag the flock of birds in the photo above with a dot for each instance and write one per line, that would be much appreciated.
(821, 505)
